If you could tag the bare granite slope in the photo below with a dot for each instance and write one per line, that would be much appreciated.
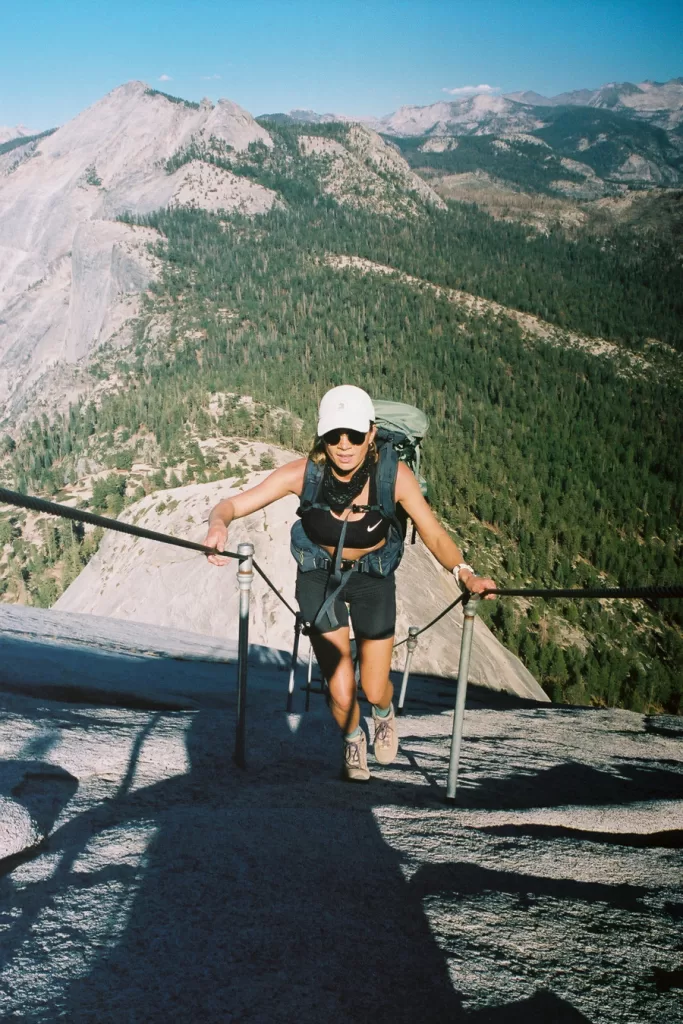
(146, 878)
(479, 114)
(68, 273)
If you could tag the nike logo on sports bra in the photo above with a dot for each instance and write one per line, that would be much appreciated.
(371, 528)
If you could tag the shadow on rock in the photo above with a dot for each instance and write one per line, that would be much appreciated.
(41, 788)
(463, 880)
(542, 1008)
(572, 783)
(669, 839)
(266, 896)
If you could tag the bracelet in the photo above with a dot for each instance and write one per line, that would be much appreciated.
(457, 569)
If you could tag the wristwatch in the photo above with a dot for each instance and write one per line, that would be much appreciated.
(457, 569)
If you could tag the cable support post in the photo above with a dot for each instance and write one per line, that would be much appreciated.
(309, 676)
(411, 643)
(298, 626)
(245, 578)
(470, 608)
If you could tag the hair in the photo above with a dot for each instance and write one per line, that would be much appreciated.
(318, 454)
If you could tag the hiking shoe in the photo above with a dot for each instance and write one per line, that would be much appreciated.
(386, 737)
(355, 768)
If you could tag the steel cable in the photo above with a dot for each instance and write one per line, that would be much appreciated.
(604, 592)
(631, 593)
(272, 586)
(434, 621)
(66, 512)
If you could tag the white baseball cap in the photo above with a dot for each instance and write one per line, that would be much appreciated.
(345, 406)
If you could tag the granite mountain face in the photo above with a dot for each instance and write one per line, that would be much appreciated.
(71, 273)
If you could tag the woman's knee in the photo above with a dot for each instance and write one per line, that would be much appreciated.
(342, 684)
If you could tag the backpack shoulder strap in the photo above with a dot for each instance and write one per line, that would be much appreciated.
(312, 481)
(387, 468)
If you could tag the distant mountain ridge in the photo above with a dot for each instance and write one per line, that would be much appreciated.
(659, 103)
(585, 144)
(17, 132)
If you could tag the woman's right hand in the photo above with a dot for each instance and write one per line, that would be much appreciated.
(217, 537)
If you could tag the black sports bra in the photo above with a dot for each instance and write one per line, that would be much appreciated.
(325, 529)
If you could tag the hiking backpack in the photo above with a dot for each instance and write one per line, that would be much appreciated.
(405, 426)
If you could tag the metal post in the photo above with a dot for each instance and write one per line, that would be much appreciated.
(298, 623)
(245, 575)
(411, 644)
(309, 677)
(469, 611)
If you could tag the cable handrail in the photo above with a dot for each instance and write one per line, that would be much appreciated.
(272, 586)
(429, 625)
(79, 515)
(632, 593)
(53, 508)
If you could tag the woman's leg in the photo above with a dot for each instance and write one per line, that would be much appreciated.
(333, 651)
(375, 662)
(332, 648)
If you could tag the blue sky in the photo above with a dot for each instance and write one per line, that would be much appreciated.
(349, 56)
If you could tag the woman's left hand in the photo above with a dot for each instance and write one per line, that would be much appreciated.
(478, 584)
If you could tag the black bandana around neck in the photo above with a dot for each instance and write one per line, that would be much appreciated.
(339, 494)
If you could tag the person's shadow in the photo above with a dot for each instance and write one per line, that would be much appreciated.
(268, 895)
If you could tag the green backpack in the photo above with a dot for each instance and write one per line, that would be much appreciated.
(408, 426)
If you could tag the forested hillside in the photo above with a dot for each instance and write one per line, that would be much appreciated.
(552, 466)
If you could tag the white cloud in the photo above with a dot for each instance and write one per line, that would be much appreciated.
(472, 90)
(165, 78)
(210, 78)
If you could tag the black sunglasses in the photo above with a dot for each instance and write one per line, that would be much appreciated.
(333, 437)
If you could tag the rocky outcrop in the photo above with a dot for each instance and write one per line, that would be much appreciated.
(364, 172)
(203, 186)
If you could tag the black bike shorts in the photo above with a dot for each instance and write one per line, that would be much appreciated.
(371, 599)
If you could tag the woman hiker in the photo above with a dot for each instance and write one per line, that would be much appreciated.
(347, 549)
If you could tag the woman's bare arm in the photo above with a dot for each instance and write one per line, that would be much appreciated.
(435, 537)
(288, 479)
